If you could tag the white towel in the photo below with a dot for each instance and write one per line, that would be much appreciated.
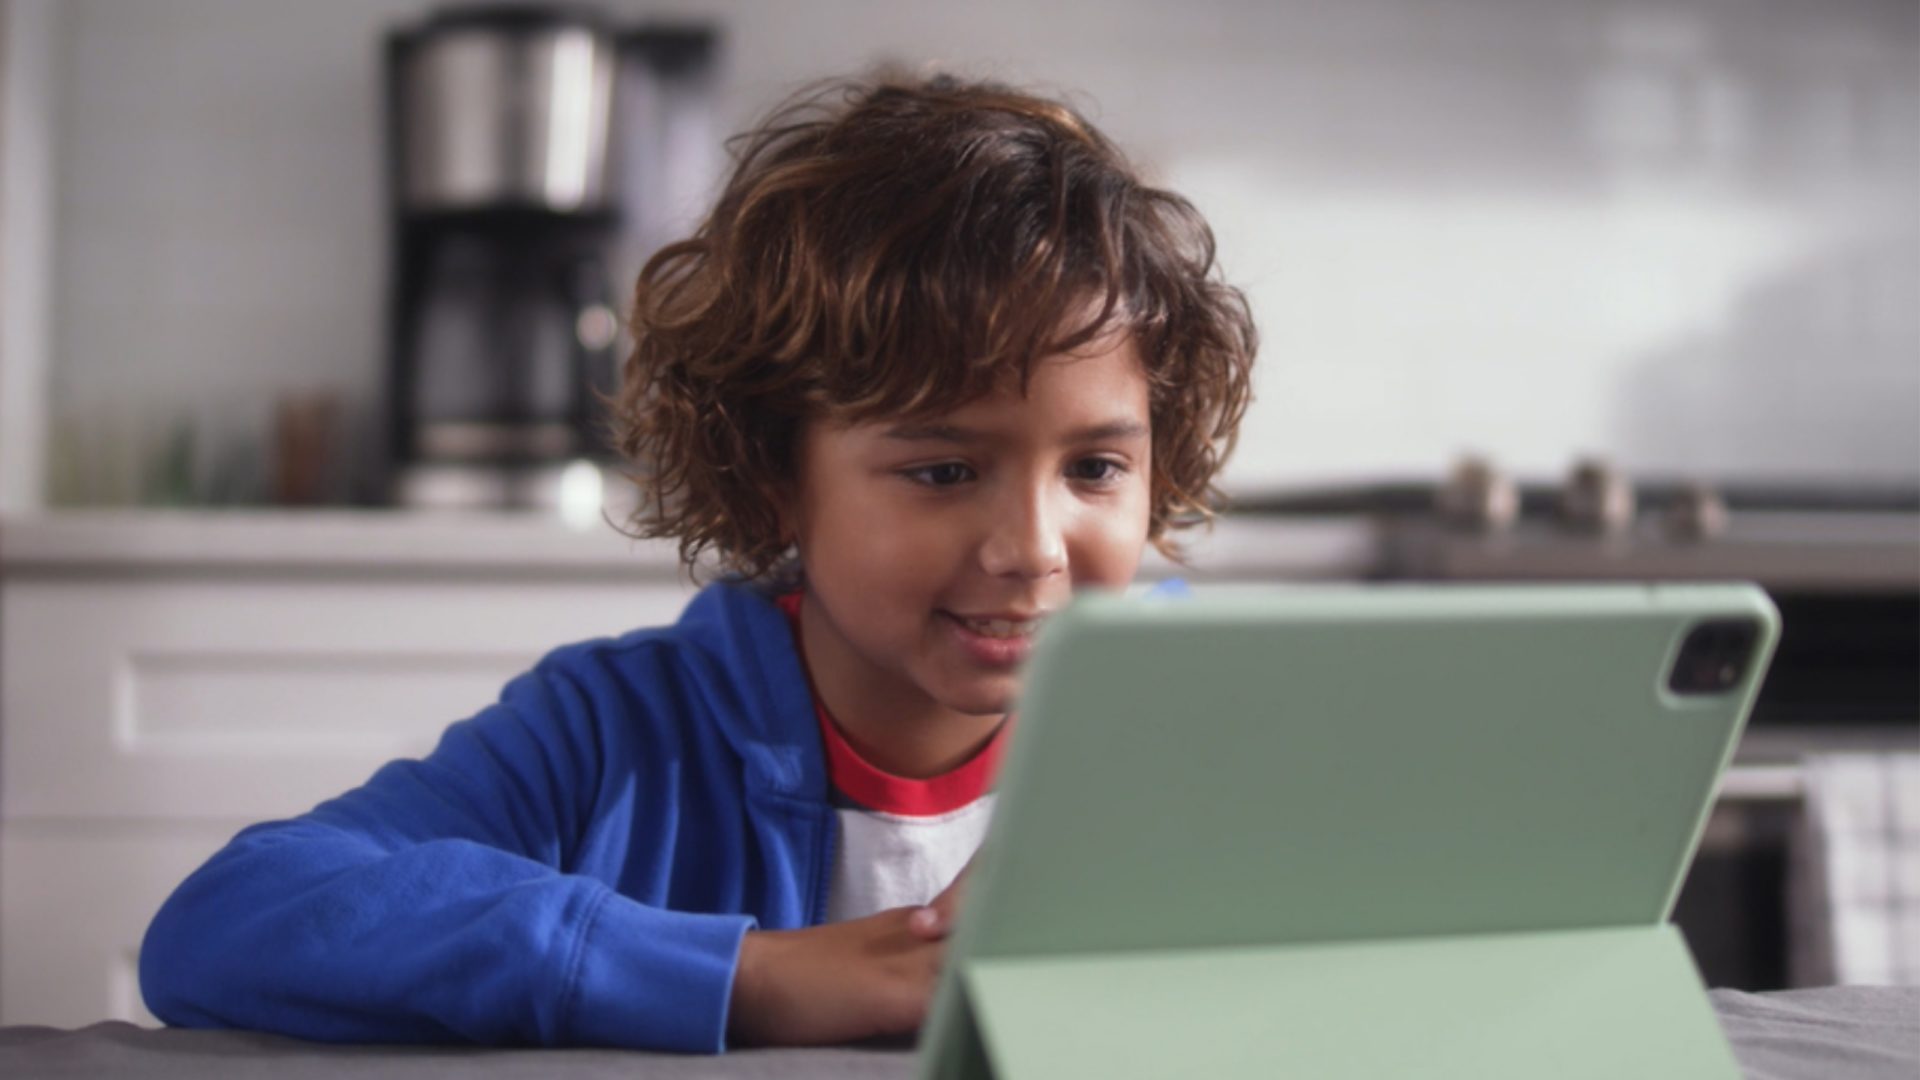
(1856, 872)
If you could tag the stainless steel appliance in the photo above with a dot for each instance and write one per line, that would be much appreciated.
(505, 139)
(506, 107)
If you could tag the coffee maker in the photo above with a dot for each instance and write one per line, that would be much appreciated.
(512, 191)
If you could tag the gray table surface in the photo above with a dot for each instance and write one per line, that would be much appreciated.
(1836, 1033)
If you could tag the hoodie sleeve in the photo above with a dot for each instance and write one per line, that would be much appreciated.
(429, 905)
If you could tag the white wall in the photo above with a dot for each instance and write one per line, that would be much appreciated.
(1685, 234)
(26, 201)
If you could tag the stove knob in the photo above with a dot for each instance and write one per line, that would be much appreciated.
(1478, 497)
(1698, 513)
(1597, 498)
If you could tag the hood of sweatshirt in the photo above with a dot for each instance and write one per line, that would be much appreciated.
(748, 667)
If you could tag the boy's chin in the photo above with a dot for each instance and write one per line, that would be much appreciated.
(985, 701)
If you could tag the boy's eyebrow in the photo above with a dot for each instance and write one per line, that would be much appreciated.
(1111, 429)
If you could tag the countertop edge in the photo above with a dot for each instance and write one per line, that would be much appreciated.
(221, 542)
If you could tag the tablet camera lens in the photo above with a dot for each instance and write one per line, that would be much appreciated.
(1714, 657)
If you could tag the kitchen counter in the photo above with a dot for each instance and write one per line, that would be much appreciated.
(193, 542)
(228, 541)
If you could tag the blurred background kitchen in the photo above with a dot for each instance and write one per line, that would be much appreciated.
(302, 305)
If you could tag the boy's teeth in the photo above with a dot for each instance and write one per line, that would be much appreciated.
(999, 628)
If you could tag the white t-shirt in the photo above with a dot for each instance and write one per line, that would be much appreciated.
(902, 841)
(902, 852)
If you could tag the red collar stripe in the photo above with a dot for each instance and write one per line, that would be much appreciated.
(864, 783)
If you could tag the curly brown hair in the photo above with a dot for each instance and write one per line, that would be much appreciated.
(900, 247)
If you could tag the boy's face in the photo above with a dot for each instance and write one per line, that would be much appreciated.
(933, 548)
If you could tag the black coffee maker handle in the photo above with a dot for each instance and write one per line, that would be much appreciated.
(588, 294)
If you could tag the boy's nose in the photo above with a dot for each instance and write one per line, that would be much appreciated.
(1025, 538)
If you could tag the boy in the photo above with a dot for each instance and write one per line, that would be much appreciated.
(935, 360)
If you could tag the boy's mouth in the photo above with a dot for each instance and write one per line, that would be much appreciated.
(997, 641)
(1014, 627)
(1000, 628)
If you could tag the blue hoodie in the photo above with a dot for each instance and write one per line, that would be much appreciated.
(576, 865)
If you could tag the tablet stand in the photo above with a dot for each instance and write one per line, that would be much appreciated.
(1602, 1003)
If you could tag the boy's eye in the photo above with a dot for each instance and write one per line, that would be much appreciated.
(1097, 470)
(945, 474)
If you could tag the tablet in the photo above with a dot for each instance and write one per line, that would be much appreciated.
(1354, 831)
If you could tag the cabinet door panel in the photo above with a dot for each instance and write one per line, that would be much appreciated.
(74, 904)
(257, 699)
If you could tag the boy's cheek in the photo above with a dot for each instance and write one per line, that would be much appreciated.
(1112, 550)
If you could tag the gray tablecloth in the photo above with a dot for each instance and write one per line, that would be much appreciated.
(1839, 1033)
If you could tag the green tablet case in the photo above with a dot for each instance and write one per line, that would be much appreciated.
(1368, 831)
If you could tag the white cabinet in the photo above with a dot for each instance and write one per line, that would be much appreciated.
(75, 898)
(211, 699)
(158, 695)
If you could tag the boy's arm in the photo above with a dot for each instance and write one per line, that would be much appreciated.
(428, 906)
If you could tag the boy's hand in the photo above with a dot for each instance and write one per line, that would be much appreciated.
(843, 982)
(838, 983)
